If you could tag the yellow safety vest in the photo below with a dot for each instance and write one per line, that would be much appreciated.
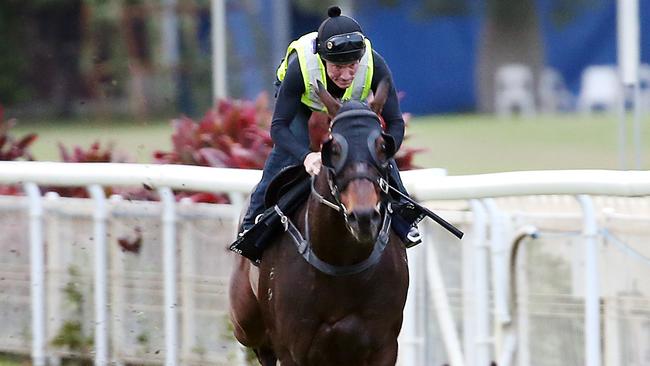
(313, 69)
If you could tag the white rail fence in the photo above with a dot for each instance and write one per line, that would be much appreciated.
(487, 305)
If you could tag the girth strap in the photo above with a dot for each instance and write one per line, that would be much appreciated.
(305, 249)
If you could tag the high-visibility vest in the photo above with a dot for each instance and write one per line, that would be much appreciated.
(313, 69)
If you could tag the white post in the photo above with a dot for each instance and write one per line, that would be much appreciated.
(219, 49)
(628, 62)
(622, 131)
(188, 275)
(100, 218)
(281, 26)
(37, 273)
(237, 204)
(55, 269)
(480, 347)
(592, 283)
(170, 54)
(468, 293)
(638, 160)
(169, 275)
(441, 302)
(500, 282)
(613, 355)
(411, 342)
(117, 272)
(523, 313)
(628, 40)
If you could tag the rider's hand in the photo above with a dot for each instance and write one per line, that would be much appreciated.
(312, 163)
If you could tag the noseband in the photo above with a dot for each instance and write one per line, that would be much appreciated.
(337, 205)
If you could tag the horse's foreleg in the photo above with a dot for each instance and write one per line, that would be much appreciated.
(266, 356)
(244, 309)
(385, 356)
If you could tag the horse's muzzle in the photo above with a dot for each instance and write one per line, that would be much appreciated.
(364, 224)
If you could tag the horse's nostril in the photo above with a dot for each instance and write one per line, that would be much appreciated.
(365, 217)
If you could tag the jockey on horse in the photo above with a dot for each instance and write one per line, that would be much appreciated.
(340, 57)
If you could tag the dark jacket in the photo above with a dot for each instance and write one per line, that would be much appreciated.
(288, 106)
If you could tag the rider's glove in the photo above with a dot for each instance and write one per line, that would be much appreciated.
(312, 163)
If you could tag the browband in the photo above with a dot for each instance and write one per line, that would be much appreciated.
(355, 113)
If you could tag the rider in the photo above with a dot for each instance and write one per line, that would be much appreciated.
(341, 57)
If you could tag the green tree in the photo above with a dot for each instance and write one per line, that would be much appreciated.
(13, 68)
(39, 51)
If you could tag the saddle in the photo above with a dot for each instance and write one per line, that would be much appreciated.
(283, 183)
(285, 193)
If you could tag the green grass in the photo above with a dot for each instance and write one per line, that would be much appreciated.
(464, 144)
(136, 140)
(471, 144)
(13, 360)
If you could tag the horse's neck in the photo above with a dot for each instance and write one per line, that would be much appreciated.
(329, 236)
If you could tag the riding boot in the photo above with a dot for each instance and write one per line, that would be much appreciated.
(406, 216)
(252, 242)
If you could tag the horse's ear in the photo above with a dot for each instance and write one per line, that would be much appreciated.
(377, 104)
(328, 100)
(389, 143)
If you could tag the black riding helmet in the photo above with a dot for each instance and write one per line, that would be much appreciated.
(340, 38)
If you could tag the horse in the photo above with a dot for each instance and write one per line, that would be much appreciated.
(331, 287)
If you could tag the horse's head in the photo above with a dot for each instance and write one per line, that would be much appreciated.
(356, 158)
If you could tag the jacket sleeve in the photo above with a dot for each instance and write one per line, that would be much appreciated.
(286, 108)
(391, 113)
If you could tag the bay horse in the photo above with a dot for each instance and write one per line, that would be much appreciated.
(331, 288)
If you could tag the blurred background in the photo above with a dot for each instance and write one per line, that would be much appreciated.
(99, 64)
(486, 86)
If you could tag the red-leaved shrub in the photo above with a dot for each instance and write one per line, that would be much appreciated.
(233, 134)
(13, 148)
(10, 147)
(93, 154)
(98, 154)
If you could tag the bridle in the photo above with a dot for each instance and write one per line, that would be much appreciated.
(335, 192)
(303, 243)
(379, 168)
(377, 175)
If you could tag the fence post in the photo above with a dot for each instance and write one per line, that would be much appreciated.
(188, 276)
(592, 282)
(55, 271)
(478, 348)
(499, 274)
(440, 300)
(169, 268)
(410, 340)
(37, 273)
(100, 217)
(117, 271)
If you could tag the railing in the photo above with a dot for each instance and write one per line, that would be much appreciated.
(424, 185)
